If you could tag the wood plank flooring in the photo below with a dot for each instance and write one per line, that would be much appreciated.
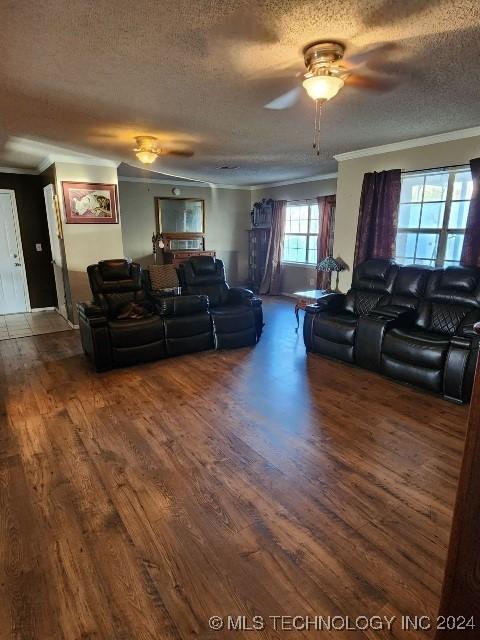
(137, 503)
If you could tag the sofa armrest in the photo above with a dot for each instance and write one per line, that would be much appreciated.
(239, 295)
(402, 317)
(91, 313)
(466, 328)
(328, 302)
(181, 305)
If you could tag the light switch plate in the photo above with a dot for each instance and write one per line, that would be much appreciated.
(38, 247)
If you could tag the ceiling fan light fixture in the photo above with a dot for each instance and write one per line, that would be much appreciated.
(147, 157)
(322, 87)
(146, 150)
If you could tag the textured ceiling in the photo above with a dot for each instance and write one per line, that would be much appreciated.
(91, 74)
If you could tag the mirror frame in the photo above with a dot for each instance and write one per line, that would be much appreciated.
(178, 234)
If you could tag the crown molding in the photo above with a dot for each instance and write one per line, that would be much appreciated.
(73, 159)
(203, 184)
(449, 136)
(325, 176)
(30, 172)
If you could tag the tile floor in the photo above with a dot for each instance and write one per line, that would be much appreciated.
(22, 325)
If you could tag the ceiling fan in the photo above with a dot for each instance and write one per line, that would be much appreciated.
(147, 150)
(327, 72)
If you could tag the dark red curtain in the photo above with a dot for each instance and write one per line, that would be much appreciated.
(326, 226)
(471, 243)
(378, 216)
(271, 282)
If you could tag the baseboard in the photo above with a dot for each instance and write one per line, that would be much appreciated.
(73, 326)
(38, 309)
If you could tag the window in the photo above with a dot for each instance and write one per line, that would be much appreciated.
(432, 217)
(301, 233)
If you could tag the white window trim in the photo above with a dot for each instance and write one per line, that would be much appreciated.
(300, 203)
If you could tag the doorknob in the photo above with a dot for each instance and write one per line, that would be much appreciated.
(17, 264)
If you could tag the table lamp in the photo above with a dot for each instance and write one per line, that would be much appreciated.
(330, 264)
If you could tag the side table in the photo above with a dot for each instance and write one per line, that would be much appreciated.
(307, 297)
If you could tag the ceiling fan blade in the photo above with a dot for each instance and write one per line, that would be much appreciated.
(177, 152)
(285, 101)
(374, 51)
(370, 83)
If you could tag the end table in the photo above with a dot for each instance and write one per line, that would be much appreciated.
(307, 297)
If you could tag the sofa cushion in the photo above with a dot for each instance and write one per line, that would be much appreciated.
(337, 327)
(232, 318)
(416, 348)
(134, 333)
(431, 379)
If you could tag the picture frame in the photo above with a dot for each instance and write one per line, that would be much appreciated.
(90, 203)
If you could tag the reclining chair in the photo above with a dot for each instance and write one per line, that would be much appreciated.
(172, 326)
(330, 325)
(393, 310)
(438, 348)
(236, 313)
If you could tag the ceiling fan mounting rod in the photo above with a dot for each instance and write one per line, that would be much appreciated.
(322, 54)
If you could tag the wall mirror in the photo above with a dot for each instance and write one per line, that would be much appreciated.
(180, 215)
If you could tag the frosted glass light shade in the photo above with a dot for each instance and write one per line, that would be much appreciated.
(147, 157)
(322, 87)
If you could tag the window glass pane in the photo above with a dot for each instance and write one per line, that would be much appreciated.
(462, 186)
(295, 248)
(427, 245)
(412, 189)
(435, 187)
(428, 263)
(409, 216)
(458, 215)
(451, 263)
(314, 211)
(406, 245)
(432, 215)
(454, 246)
(303, 219)
(294, 215)
(312, 255)
(314, 225)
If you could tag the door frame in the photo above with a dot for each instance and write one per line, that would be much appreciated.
(16, 225)
(54, 237)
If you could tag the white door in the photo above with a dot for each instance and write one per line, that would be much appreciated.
(13, 282)
(57, 259)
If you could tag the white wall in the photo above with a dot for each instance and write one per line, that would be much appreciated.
(297, 277)
(86, 243)
(350, 177)
(227, 218)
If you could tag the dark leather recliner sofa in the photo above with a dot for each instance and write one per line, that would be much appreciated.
(236, 312)
(170, 325)
(412, 323)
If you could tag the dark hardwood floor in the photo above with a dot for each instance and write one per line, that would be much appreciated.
(136, 504)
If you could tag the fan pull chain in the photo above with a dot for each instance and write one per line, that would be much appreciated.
(316, 126)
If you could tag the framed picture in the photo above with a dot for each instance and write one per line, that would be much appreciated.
(90, 203)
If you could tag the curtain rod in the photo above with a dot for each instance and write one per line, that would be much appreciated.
(303, 200)
(452, 166)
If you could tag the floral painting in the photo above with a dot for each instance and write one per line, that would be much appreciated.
(90, 203)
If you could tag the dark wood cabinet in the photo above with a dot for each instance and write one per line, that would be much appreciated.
(176, 257)
(257, 255)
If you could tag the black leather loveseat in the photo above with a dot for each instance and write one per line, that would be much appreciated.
(127, 323)
(414, 324)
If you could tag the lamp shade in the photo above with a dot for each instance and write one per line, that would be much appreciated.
(322, 87)
(330, 264)
(147, 157)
